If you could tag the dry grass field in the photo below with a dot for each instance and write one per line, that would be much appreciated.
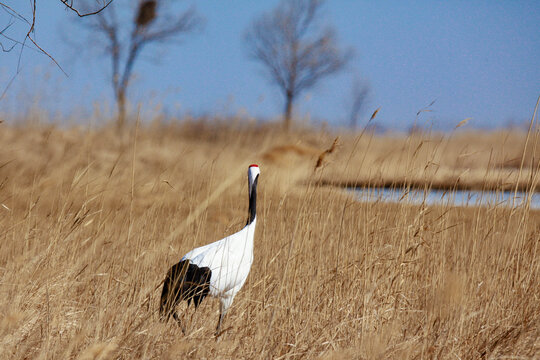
(91, 220)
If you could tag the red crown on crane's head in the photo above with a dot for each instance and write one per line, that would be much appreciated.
(253, 165)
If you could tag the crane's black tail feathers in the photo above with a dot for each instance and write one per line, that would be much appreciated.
(184, 281)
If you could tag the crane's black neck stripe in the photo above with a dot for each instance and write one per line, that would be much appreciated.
(253, 202)
(184, 281)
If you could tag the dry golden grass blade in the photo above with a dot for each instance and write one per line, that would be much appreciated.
(427, 108)
(330, 150)
(374, 114)
(534, 145)
(463, 122)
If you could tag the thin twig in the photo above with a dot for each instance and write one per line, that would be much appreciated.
(70, 6)
(35, 43)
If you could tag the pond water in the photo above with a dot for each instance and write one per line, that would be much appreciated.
(448, 197)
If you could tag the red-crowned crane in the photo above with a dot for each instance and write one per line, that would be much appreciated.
(218, 269)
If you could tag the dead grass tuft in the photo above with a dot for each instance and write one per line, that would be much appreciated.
(328, 151)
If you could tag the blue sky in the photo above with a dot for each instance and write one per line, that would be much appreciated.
(477, 59)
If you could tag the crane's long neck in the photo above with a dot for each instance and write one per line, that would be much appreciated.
(252, 212)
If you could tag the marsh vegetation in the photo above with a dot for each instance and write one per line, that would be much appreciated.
(91, 219)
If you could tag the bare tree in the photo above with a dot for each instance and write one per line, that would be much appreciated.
(296, 52)
(149, 26)
(359, 97)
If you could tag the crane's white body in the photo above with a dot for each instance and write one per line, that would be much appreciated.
(230, 260)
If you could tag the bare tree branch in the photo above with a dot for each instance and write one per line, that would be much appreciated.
(30, 31)
(296, 53)
(69, 5)
(2, 34)
(15, 14)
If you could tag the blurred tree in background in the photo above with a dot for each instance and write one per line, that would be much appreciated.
(125, 31)
(294, 49)
(360, 93)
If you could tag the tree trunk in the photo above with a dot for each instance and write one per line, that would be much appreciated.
(121, 103)
(288, 111)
